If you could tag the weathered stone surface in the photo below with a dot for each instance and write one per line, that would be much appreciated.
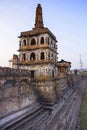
(16, 91)
(60, 102)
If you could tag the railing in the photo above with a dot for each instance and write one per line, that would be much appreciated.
(31, 47)
(36, 62)
(6, 71)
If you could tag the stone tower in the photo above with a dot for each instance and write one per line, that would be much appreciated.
(38, 50)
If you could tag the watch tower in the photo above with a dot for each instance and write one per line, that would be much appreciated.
(38, 50)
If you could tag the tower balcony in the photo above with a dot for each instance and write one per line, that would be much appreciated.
(34, 62)
(27, 48)
(34, 47)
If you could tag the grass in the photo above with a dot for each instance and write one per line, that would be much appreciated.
(83, 111)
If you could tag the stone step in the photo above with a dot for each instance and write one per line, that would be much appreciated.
(32, 123)
(32, 112)
(41, 122)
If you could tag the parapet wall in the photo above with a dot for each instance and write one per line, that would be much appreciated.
(8, 72)
(16, 91)
(16, 98)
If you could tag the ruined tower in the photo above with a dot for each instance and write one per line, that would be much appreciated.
(38, 50)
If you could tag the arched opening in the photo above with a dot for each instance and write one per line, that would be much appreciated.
(33, 42)
(32, 56)
(52, 73)
(42, 40)
(24, 57)
(32, 73)
(51, 56)
(42, 56)
(24, 42)
(48, 56)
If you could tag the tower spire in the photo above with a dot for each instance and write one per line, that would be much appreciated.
(39, 17)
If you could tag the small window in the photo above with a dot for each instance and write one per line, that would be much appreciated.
(23, 57)
(51, 56)
(32, 73)
(24, 42)
(32, 56)
(42, 40)
(53, 73)
(42, 56)
(33, 42)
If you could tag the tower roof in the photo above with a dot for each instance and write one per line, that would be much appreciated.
(39, 27)
(39, 17)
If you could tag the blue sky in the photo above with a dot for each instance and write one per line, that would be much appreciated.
(67, 19)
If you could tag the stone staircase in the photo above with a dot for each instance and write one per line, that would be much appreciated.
(28, 121)
(48, 116)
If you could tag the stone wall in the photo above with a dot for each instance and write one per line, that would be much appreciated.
(16, 97)
(65, 113)
(16, 92)
(52, 90)
(57, 99)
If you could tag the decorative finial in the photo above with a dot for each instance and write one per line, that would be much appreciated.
(39, 18)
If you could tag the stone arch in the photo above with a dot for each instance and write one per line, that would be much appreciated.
(33, 42)
(42, 56)
(32, 56)
(42, 40)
